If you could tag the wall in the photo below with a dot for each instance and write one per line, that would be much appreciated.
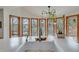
(1, 20)
(9, 11)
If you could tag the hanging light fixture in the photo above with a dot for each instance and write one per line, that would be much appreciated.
(50, 13)
(46, 14)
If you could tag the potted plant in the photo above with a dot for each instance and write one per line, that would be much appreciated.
(59, 32)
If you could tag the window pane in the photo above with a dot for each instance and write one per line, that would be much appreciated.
(42, 26)
(60, 25)
(14, 26)
(50, 27)
(25, 26)
(72, 26)
(34, 27)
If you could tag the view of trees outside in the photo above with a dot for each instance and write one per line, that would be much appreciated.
(25, 26)
(34, 27)
(14, 26)
(72, 26)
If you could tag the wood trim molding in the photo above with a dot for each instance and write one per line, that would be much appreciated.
(66, 25)
(46, 27)
(29, 26)
(56, 26)
(10, 32)
(19, 34)
(37, 25)
(72, 15)
(78, 28)
(22, 26)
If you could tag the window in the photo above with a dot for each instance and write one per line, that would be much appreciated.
(72, 26)
(34, 26)
(25, 26)
(60, 25)
(42, 27)
(22, 26)
(50, 27)
(14, 24)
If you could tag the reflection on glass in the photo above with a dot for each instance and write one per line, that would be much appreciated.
(14, 26)
(34, 27)
(50, 27)
(72, 26)
(25, 26)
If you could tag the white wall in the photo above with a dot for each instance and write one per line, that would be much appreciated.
(9, 11)
(1, 19)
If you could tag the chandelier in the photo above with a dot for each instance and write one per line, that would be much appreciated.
(50, 13)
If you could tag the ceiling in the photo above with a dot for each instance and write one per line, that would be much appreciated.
(34, 11)
(60, 10)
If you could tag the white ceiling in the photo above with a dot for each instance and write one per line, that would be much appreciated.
(60, 10)
(37, 10)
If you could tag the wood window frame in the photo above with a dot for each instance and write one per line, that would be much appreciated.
(77, 25)
(63, 18)
(19, 27)
(44, 24)
(36, 25)
(46, 27)
(10, 29)
(29, 26)
(67, 23)
(22, 25)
